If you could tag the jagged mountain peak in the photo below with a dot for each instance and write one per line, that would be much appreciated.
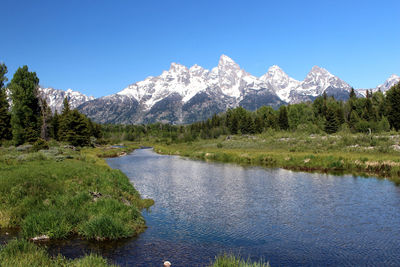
(55, 97)
(177, 68)
(274, 68)
(224, 60)
(317, 70)
(392, 80)
(280, 82)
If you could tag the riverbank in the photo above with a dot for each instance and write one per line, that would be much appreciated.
(64, 192)
(357, 154)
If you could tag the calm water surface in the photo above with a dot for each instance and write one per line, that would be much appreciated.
(288, 218)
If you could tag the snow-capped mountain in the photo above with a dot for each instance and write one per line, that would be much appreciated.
(384, 87)
(55, 98)
(318, 81)
(185, 95)
(280, 82)
(393, 79)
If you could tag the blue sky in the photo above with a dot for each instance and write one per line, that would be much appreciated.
(99, 47)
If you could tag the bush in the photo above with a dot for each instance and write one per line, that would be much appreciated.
(40, 144)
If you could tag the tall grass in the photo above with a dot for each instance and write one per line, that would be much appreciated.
(21, 253)
(230, 260)
(78, 194)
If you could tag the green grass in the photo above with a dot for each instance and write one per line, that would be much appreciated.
(230, 260)
(21, 253)
(53, 193)
(342, 153)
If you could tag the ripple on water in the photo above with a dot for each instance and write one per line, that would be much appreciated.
(289, 218)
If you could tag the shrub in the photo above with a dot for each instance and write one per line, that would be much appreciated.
(40, 144)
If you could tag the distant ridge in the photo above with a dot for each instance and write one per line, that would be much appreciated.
(185, 95)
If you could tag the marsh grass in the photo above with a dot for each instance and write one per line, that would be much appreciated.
(341, 153)
(21, 253)
(62, 192)
(230, 260)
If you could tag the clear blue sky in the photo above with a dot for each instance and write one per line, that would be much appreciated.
(99, 47)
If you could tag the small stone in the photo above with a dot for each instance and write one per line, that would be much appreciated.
(40, 238)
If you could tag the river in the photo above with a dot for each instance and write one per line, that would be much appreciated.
(288, 218)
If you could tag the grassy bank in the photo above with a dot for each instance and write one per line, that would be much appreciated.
(21, 253)
(61, 192)
(358, 154)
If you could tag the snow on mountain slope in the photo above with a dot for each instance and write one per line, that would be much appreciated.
(227, 77)
(392, 80)
(185, 95)
(55, 98)
(280, 82)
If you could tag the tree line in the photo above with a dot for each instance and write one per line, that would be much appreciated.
(376, 112)
(30, 119)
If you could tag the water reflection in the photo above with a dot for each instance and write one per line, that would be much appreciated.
(289, 218)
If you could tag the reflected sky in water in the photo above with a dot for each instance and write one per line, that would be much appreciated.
(289, 218)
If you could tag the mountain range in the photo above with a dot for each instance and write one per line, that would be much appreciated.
(185, 95)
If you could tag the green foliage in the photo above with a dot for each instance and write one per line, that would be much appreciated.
(21, 253)
(40, 197)
(332, 123)
(25, 113)
(74, 128)
(5, 126)
(40, 144)
(230, 260)
(283, 120)
(393, 102)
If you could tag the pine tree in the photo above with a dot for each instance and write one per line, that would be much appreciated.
(283, 120)
(74, 129)
(25, 112)
(393, 102)
(259, 124)
(66, 108)
(352, 93)
(332, 123)
(5, 126)
(353, 120)
(54, 125)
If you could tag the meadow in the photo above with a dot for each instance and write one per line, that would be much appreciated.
(61, 192)
(341, 153)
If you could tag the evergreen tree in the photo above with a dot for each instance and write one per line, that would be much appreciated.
(332, 123)
(25, 112)
(74, 129)
(283, 120)
(354, 119)
(393, 101)
(66, 108)
(259, 124)
(5, 126)
(352, 93)
(54, 125)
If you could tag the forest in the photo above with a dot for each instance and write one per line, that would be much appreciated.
(377, 112)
